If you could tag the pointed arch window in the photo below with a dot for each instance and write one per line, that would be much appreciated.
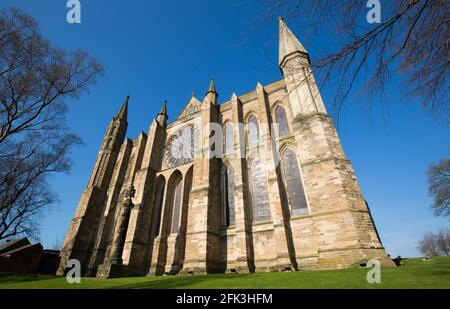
(109, 143)
(129, 168)
(260, 194)
(114, 130)
(228, 140)
(159, 199)
(294, 185)
(229, 213)
(253, 131)
(176, 210)
(280, 117)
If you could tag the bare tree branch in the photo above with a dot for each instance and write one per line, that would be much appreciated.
(439, 187)
(410, 44)
(35, 79)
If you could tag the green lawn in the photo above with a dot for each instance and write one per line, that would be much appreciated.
(416, 273)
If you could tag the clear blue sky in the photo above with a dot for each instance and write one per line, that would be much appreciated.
(160, 50)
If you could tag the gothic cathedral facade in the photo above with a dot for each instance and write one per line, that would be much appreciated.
(158, 205)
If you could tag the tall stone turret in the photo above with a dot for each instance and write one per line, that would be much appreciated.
(332, 193)
(203, 222)
(79, 241)
(211, 95)
(162, 116)
(294, 63)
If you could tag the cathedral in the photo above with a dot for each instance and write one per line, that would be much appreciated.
(259, 182)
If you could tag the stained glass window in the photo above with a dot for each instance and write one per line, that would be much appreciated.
(280, 117)
(260, 195)
(176, 207)
(158, 207)
(295, 190)
(229, 209)
(228, 140)
(253, 131)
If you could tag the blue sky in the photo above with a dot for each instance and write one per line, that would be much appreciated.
(157, 50)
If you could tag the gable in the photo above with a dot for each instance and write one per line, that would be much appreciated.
(193, 106)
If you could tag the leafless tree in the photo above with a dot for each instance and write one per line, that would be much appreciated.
(410, 45)
(439, 187)
(435, 244)
(35, 80)
(35, 76)
(428, 245)
(443, 241)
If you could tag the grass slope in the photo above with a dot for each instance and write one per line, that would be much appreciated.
(416, 273)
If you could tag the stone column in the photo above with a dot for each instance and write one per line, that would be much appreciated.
(243, 243)
(276, 246)
(122, 227)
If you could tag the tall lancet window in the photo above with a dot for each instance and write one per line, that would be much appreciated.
(260, 195)
(294, 185)
(176, 212)
(129, 168)
(229, 214)
(253, 131)
(159, 199)
(280, 117)
(109, 143)
(114, 130)
(228, 141)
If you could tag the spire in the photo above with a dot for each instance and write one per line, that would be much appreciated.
(123, 112)
(212, 87)
(162, 115)
(164, 109)
(211, 94)
(288, 43)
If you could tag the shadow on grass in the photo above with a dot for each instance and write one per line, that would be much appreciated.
(415, 274)
(179, 282)
(15, 278)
